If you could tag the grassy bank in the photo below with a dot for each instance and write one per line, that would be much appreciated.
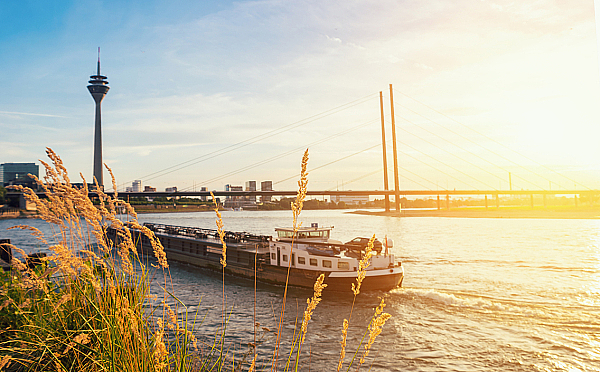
(88, 307)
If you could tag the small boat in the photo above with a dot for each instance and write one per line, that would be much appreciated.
(306, 254)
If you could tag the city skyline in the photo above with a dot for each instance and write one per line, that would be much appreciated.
(189, 80)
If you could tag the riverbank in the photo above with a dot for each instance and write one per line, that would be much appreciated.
(18, 213)
(170, 209)
(553, 212)
(559, 212)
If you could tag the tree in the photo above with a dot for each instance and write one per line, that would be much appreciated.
(2, 194)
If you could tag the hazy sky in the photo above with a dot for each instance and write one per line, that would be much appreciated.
(482, 88)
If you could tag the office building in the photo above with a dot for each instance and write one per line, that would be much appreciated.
(17, 174)
(136, 186)
(266, 186)
(251, 186)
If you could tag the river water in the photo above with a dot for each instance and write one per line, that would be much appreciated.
(478, 294)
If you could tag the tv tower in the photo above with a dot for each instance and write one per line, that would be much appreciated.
(98, 88)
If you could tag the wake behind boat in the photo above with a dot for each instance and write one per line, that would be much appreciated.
(268, 258)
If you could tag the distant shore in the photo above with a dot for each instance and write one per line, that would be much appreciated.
(515, 212)
(141, 209)
(558, 212)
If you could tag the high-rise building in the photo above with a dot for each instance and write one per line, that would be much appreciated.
(17, 173)
(251, 186)
(232, 201)
(98, 88)
(266, 186)
(136, 186)
(230, 187)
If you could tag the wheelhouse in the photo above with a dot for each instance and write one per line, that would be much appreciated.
(314, 233)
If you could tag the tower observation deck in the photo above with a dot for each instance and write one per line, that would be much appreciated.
(98, 88)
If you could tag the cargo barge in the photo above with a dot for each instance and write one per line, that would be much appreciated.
(268, 258)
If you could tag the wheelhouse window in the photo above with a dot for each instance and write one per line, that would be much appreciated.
(313, 262)
(273, 256)
(301, 261)
(285, 234)
(319, 234)
(285, 258)
(343, 265)
(326, 263)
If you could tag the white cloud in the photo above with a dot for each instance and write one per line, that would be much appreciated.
(335, 39)
(422, 66)
(31, 114)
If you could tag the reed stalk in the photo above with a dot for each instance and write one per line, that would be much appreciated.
(296, 207)
(361, 274)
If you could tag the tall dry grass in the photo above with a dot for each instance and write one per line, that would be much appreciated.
(88, 306)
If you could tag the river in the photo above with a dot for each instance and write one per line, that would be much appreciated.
(478, 294)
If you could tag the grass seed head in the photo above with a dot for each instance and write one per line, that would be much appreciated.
(221, 231)
(343, 343)
(301, 195)
(5, 362)
(364, 263)
(311, 305)
(375, 328)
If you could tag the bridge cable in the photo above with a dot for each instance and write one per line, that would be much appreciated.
(472, 153)
(449, 166)
(327, 164)
(491, 139)
(369, 148)
(379, 170)
(356, 179)
(461, 148)
(262, 162)
(257, 138)
(439, 170)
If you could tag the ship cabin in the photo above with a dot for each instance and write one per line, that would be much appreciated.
(312, 234)
(315, 250)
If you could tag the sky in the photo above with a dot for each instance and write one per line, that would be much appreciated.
(206, 93)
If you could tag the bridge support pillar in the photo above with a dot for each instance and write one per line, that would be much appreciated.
(447, 202)
(497, 201)
(531, 201)
(26, 204)
(576, 201)
(438, 202)
(544, 200)
(486, 202)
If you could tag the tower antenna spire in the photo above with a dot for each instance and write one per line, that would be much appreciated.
(98, 61)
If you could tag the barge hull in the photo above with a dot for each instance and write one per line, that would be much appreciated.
(206, 254)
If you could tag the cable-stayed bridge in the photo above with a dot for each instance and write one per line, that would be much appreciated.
(467, 150)
(470, 152)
